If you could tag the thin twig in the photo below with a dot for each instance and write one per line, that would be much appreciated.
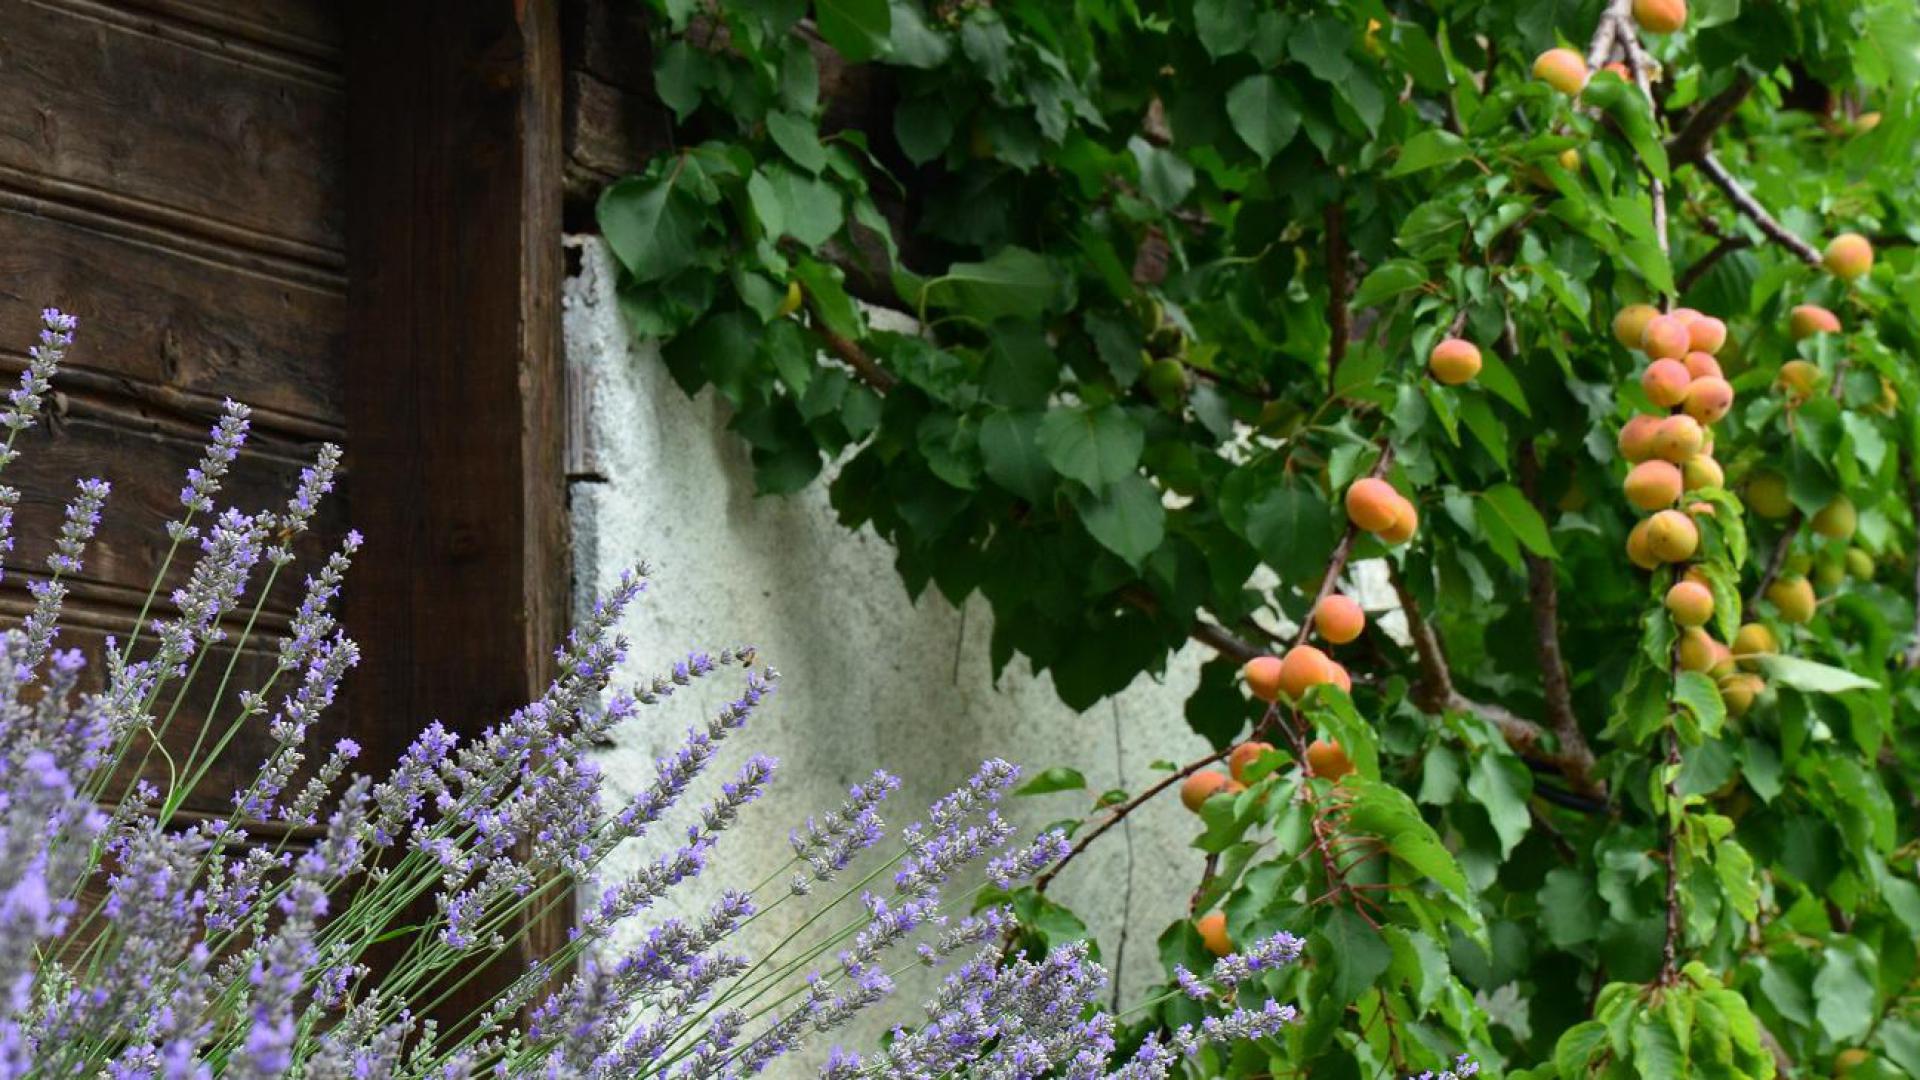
(1778, 559)
(1337, 562)
(1708, 261)
(1543, 593)
(855, 357)
(1435, 692)
(1696, 134)
(1744, 201)
(1119, 814)
(1913, 495)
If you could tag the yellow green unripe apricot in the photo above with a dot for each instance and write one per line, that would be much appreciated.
(1739, 691)
(790, 303)
(1638, 553)
(1630, 324)
(1800, 378)
(1678, 438)
(1167, 379)
(1807, 320)
(1562, 69)
(1798, 562)
(1665, 382)
(1696, 650)
(1636, 437)
(1666, 338)
(1672, 536)
(1793, 598)
(1454, 361)
(1829, 571)
(1690, 603)
(1653, 485)
(1339, 618)
(1859, 564)
(1754, 639)
(1660, 16)
(1766, 495)
(1848, 256)
(1708, 399)
(1837, 519)
(1701, 471)
(1707, 334)
(1569, 159)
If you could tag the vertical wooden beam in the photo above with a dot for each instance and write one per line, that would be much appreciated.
(454, 374)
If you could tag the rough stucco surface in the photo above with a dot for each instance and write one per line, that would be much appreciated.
(870, 678)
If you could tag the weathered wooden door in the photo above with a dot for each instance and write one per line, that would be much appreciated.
(173, 173)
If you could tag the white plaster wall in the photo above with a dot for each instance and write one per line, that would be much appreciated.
(869, 678)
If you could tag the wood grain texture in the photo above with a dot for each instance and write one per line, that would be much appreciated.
(454, 371)
(140, 121)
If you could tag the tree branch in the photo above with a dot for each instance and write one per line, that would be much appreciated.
(1744, 201)
(1119, 814)
(1544, 595)
(1777, 559)
(855, 357)
(1696, 134)
(1435, 692)
(1707, 262)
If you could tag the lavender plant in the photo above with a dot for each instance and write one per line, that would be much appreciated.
(137, 941)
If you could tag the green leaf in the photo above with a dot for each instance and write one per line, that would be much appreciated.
(652, 228)
(1010, 453)
(1096, 446)
(1292, 529)
(1577, 1046)
(923, 127)
(1519, 515)
(1223, 26)
(1126, 517)
(1353, 953)
(1696, 692)
(1165, 177)
(1657, 1053)
(1262, 114)
(1569, 908)
(797, 138)
(1501, 785)
(1630, 109)
(1843, 992)
(1321, 44)
(811, 210)
(911, 42)
(1388, 280)
(857, 29)
(1058, 778)
(1013, 283)
(1811, 676)
(1430, 149)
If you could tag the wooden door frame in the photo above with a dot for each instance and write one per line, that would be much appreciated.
(454, 371)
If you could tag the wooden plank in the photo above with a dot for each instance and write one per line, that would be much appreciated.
(310, 28)
(222, 30)
(137, 121)
(167, 319)
(454, 370)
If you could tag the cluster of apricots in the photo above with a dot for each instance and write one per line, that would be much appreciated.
(1566, 70)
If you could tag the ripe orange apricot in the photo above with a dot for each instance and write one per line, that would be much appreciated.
(1339, 618)
(1672, 536)
(1690, 603)
(1327, 760)
(1630, 324)
(1700, 365)
(1243, 756)
(1637, 551)
(1666, 338)
(1653, 485)
(1678, 438)
(1665, 382)
(1341, 678)
(1849, 256)
(1807, 320)
(1195, 790)
(1800, 377)
(1753, 639)
(1837, 519)
(1636, 437)
(1562, 69)
(1454, 361)
(1708, 398)
(1660, 16)
(1303, 668)
(1707, 334)
(1793, 597)
(1722, 661)
(1372, 504)
(1696, 649)
(1701, 471)
(1263, 677)
(1406, 522)
(1620, 69)
(1766, 495)
(1213, 932)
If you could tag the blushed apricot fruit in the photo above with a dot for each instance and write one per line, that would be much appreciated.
(1195, 790)
(1701, 471)
(1243, 756)
(1708, 398)
(1848, 256)
(1690, 603)
(1722, 661)
(1687, 316)
(1739, 692)
(1636, 437)
(1303, 668)
(1630, 324)
(1263, 677)
(1666, 338)
(1696, 650)
(1753, 639)
(1327, 760)
(1707, 335)
(1810, 319)
(1339, 618)
(1637, 551)
(1212, 928)
(1766, 495)
(1372, 504)
(1562, 69)
(1800, 377)
(1454, 361)
(1665, 382)
(1837, 519)
(1653, 485)
(1700, 365)
(1660, 16)
(1672, 536)
(1793, 597)
(1406, 522)
(1678, 438)
(1342, 679)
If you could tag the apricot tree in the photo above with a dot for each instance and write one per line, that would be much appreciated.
(1590, 322)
